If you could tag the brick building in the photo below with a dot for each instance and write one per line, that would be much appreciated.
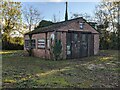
(78, 37)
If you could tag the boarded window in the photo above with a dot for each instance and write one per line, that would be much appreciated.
(41, 43)
(33, 43)
(27, 43)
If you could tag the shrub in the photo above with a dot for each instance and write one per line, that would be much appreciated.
(57, 49)
(11, 46)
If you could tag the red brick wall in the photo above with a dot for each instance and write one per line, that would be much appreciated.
(62, 35)
(37, 52)
(75, 26)
(64, 44)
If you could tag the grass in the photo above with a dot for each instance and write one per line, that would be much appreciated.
(21, 71)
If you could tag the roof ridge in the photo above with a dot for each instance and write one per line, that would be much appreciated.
(55, 24)
(62, 22)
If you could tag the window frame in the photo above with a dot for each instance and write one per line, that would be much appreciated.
(28, 43)
(33, 44)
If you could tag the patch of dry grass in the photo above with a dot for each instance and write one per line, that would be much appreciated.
(97, 71)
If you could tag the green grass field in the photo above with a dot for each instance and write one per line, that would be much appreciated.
(21, 71)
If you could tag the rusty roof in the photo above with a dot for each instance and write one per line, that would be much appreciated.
(54, 26)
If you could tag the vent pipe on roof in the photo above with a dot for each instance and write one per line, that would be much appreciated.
(66, 13)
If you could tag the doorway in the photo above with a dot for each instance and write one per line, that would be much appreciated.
(79, 44)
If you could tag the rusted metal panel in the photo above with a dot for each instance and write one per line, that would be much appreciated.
(74, 41)
(79, 44)
(90, 45)
(68, 41)
(84, 45)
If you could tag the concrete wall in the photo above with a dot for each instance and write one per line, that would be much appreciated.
(96, 44)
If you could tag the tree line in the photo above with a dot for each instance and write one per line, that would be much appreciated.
(14, 26)
(106, 16)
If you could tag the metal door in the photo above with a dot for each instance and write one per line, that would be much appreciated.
(68, 41)
(84, 45)
(79, 45)
(90, 44)
(72, 45)
(74, 42)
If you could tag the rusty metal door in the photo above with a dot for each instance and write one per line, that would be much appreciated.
(84, 45)
(79, 45)
(68, 41)
(90, 44)
(75, 51)
(72, 45)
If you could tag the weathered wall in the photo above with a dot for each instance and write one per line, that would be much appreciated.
(38, 52)
(72, 25)
(62, 36)
(96, 44)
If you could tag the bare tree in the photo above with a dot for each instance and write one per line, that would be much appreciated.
(56, 18)
(108, 12)
(32, 16)
(107, 15)
(84, 15)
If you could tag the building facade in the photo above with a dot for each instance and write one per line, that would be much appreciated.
(79, 39)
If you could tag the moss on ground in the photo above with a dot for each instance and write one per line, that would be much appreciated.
(22, 71)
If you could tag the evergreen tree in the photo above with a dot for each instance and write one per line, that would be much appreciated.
(57, 49)
(44, 23)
